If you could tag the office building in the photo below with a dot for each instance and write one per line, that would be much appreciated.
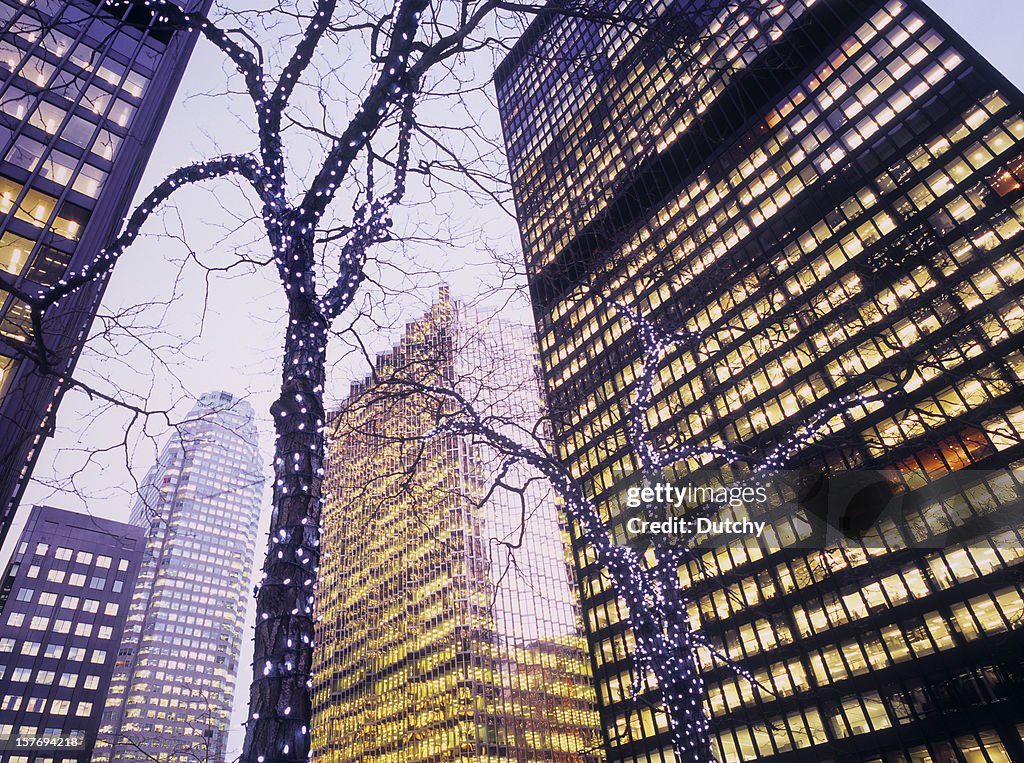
(82, 97)
(63, 603)
(174, 680)
(447, 628)
(830, 194)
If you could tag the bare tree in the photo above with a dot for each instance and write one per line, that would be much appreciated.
(406, 43)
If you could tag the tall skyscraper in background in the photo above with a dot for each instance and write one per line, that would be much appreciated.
(63, 603)
(83, 94)
(171, 693)
(831, 193)
(435, 639)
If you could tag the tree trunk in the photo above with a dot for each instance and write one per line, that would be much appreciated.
(679, 677)
(280, 705)
(663, 637)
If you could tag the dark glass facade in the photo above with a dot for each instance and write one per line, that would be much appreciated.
(830, 194)
(82, 97)
(65, 597)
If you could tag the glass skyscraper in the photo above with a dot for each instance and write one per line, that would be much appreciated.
(171, 693)
(63, 603)
(83, 93)
(829, 193)
(447, 628)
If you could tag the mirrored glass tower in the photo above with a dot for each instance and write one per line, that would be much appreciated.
(447, 628)
(171, 692)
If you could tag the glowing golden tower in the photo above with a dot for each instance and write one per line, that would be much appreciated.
(448, 627)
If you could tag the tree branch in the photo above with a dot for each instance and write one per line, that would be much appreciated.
(232, 164)
(394, 84)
